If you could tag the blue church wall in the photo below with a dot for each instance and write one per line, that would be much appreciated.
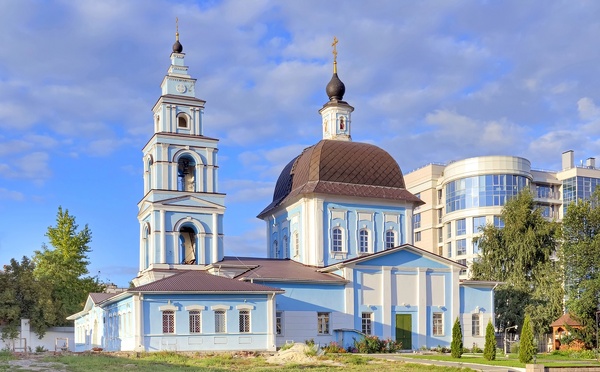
(285, 224)
(476, 297)
(404, 258)
(309, 296)
(351, 223)
(208, 339)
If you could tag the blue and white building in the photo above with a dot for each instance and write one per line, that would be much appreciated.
(340, 261)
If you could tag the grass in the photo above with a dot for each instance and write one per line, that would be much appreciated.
(168, 361)
(511, 361)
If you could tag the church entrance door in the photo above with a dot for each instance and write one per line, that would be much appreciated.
(404, 330)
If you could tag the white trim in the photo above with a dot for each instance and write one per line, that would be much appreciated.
(245, 307)
(168, 308)
(220, 307)
(195, 308)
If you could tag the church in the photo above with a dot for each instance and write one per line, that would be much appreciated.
(340, 261)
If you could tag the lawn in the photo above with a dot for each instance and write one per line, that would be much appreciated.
(512, 360)
(167, 361)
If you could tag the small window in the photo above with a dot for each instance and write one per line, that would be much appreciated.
(448, 230)
(418, 236)
(367, 323)
(464, 263)
(461, 247)
(449, 249)
(220, 321)
(182, 121)
(438, 324)
(279, 323)
(195, 321)
(498, 222)
(244, 317)
(323, 323)
(417, 221)
(275, 248)
(168, 321)
(337, 244)
(461, 227)
(286, 247)
(363, 241)
(478, 224)
(475, 246)
(475, 325)
(390, 239)
(440, 235)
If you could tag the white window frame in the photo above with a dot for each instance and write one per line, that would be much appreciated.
(390, 244)
(476, 320)
(323, 323)
(244, 321)
(195, 321)
(367, 323)
(168, 320)
(364, 241)
(296, 242)
(341, 240)
(437, 325)
(220, 324)
(279, 323)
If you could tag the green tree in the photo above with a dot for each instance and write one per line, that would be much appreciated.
(489, 351)
(24, 296)
(456, 346)
(64, 268)
(580, 256)
(520, 256)
(527, 347)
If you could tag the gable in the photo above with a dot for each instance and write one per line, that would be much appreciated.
(404, 258)
(190, 201)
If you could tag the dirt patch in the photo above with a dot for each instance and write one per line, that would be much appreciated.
(295, 354)
(33, 362)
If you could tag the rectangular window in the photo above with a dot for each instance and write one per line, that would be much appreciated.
(417, 221)
(244, 321)
(418, 236)
(498, 222)
(220, 321)
(323, 323)
(439, 215)
(168, 318)
(449, 249)
(279, 323)
(448, 230)
(478, 224)
(440, 235)
(461, 227)
(363, 241)
(475, 246)
(337, 239)
(462, 262)
(461, 247)
(195, 321)
(390, 239)
(367, 323)
(475, 329)
(438, 324)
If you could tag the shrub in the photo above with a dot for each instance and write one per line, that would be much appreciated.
(456, 346)
(527, 347)
(40, 349)
(489, 351)
(333, 347)
(476, 349)
(310, 342)
(286, 346)
(372, 344)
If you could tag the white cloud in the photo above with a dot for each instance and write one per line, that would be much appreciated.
(11, 194)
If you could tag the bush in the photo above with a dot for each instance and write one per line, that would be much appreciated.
(286, 346)
(372, 344)
(40, 349)
(476, 349)
(456, 346)
(333, 347)
(527, 346)
(489, 351)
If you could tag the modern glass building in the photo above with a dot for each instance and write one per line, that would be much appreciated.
(463, 196)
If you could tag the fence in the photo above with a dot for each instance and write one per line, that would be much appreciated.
(55, 337)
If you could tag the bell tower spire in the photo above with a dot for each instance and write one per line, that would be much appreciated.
(336, 113)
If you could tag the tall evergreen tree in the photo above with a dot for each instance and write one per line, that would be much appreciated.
(520, 256)
(580, 256)
(64, 268)
(489, 351)
(456, 346)
(527, 347)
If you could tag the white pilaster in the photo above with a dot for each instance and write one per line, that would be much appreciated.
(386, 301)
(422, 306)
(163, 245)
(215, 238)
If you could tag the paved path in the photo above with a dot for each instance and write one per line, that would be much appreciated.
(476, 367)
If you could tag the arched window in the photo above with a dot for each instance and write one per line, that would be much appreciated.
(363, 241)
(275, 249)
(187, 241)
(286, 246)
(336, 240)
(342, 125)
(390, 239)
(186, 174)
(182, 121)
(146, 245)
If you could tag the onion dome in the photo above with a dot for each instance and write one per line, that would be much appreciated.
(342, 168)
(177, 47)
(335, 88)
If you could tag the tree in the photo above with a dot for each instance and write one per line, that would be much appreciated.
(489, 351)
(24, 296)
(527, 347)
(580, 255)
(520, 256)
(64, 268)
(456, 346)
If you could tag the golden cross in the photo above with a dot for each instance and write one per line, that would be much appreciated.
(334, 45)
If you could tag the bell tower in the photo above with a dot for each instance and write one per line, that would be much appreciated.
(181, 213)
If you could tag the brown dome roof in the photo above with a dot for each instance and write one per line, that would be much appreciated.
(342, 168)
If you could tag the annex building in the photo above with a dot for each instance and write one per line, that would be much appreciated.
(463, 196)
(340, 260)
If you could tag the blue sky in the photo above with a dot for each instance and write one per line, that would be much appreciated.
(431, 81)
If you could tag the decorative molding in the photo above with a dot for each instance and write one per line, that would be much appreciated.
(220, 307)
(245, 307)
(195, 308)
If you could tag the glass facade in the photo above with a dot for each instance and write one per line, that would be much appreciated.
(576, 188)
(483, 191)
